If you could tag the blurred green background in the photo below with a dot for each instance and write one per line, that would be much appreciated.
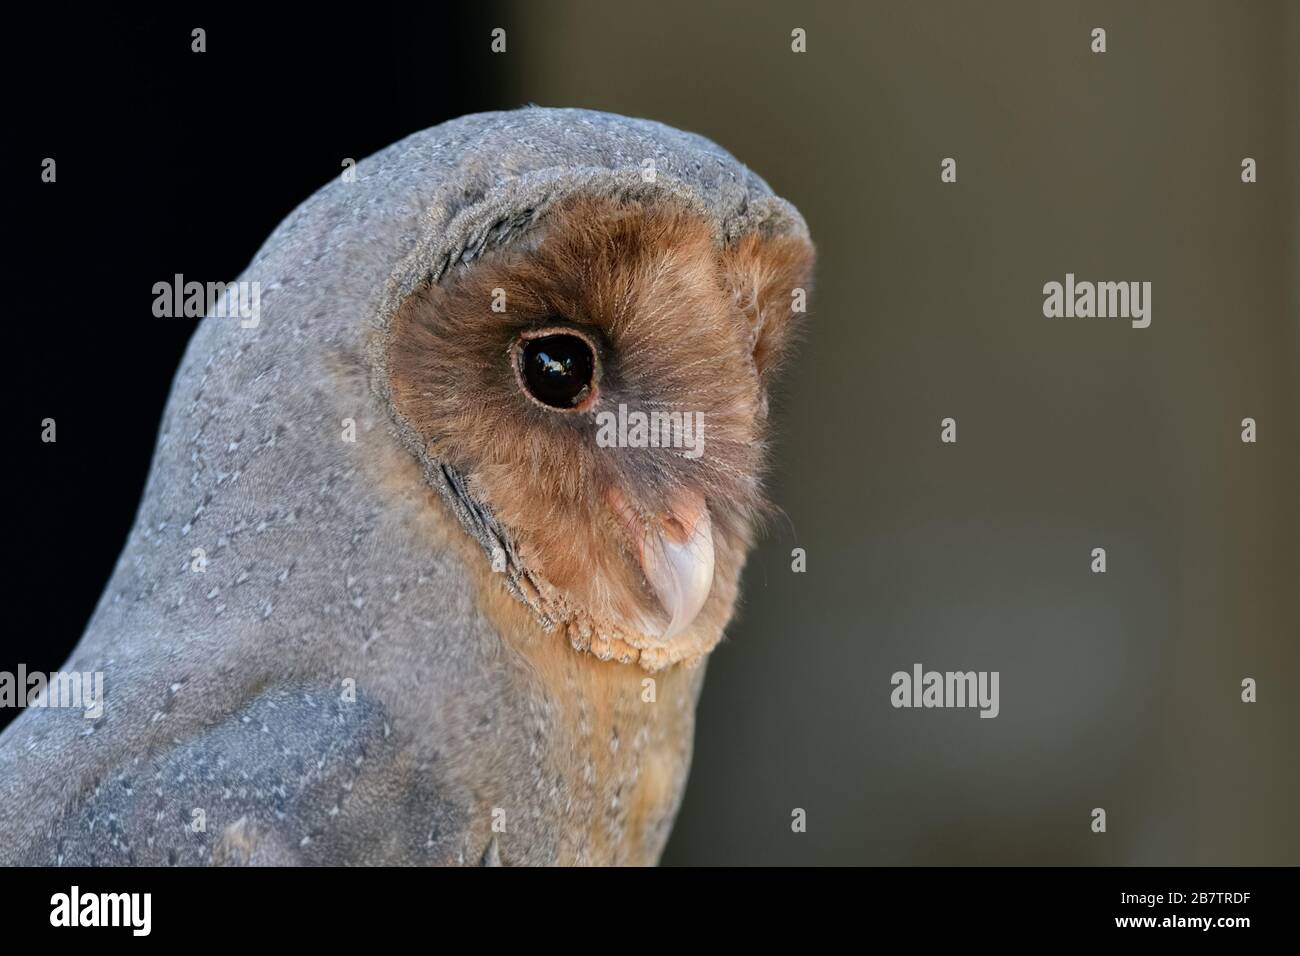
(1119, 690)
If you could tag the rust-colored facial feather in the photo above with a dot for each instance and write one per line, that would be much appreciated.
(678, 324)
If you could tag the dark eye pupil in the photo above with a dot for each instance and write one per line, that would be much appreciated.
(557, 369)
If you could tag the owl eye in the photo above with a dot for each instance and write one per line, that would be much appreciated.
(557, 369)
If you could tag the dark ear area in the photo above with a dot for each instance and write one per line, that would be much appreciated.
(769, 279)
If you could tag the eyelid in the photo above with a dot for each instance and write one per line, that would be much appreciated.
(564, 328)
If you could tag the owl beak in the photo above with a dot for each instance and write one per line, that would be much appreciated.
(675, 550)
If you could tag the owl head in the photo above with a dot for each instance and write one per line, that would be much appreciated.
(599, 388)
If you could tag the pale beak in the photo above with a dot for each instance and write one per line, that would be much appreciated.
(675, 551)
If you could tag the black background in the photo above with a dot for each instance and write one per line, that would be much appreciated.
(168, 161)
(972, 906)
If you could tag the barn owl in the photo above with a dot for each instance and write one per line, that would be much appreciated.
(391, 597)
